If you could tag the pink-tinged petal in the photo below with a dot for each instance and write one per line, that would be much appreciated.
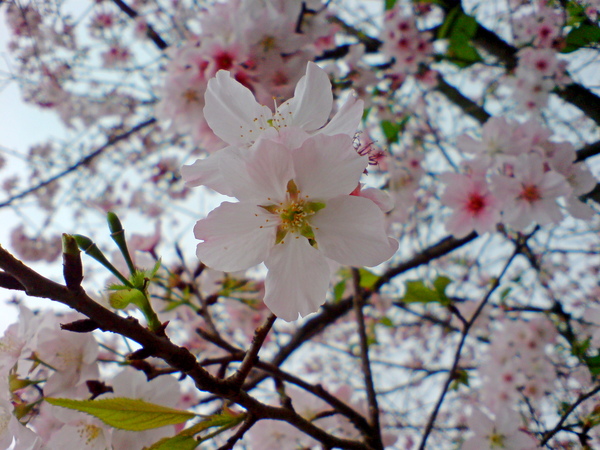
(232, 112)
(554, 185)
(261, 174)
(298, 279)
(383, 199)
(347, 119)
(351, 231)
(578, 209)
(205, 172)
(236, 236)
(479, 423)
(312, 102)
(468, 144)
(327, 166)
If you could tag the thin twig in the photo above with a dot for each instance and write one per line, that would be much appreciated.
(457, 354)
(82, 162)
(568, 411)
(375, 437)
(251, 358)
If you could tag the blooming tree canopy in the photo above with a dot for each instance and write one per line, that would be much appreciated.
(349, 225)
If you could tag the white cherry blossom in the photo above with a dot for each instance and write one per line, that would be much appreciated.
(294, 213)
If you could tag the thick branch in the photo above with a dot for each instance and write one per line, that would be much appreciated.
(161, 347)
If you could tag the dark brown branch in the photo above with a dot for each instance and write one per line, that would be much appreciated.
(442, 248)
(373, 407)
(246, 425)
(82, 162)
(583, 397)
(251, 357)
(177, 357)
(7, 281)
(466, 104)
(150, 32)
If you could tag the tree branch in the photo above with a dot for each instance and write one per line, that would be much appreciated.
(359, 302)
(150, 32)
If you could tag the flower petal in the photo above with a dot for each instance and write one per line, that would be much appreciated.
(232, 112)
(236, 236)
(261, 174)
(298, 279)
(312, 101)
(351, 231)
(327, 166)
(205, 172)
(347, 119)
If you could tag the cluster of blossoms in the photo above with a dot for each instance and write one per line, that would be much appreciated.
(516, 364)
(410, 48)
(539, 70)
(35, 350)
(516, 177)
(265, 46)
(297, 181)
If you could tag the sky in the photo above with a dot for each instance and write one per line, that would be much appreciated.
(21, 126)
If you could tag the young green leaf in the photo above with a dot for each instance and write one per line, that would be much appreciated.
(130, 414)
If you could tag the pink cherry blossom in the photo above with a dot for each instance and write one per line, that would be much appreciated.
(475, 207)
(294, 213)
(501, 433)
(530, 196)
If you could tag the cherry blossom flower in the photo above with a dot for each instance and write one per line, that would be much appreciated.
(531, 194)
(475, 207)
(236, 117)
(294, 213)
(501, 433)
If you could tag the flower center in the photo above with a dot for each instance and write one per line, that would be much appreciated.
(496, 440)
(531, 193)
(476, 203)
(294, 215)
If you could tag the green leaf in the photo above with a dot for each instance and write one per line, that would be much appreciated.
(461, 377)
(463, 54)
(392, 130)
(583, 36)
(459, 28)
(440, 284)
(389, 4)
(446, 27)
(418, 292)
(130, 414)
(367, 278)
(576, 13)
(122, 298)
(177, 442)
(593, 364)
(185, 439)
(387, 322)
(338, 290)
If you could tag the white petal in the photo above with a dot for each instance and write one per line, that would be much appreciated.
(298, 279)
(232, 112)
(261, 175)
(327, 166)
(312, 100)
(236, 236)
(205, 172)
(347, 119)
(351, 231)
